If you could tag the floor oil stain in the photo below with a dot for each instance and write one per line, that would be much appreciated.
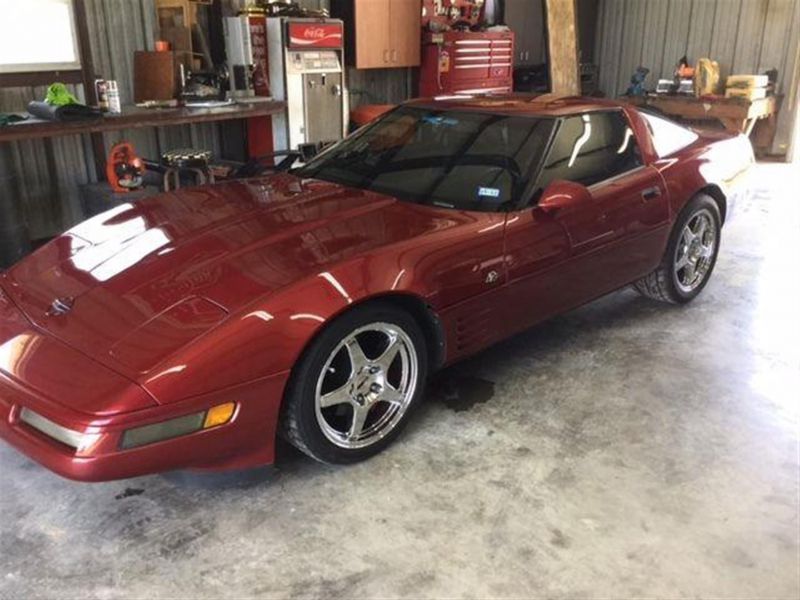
(462, 392)
(559, 539)
(129, 492)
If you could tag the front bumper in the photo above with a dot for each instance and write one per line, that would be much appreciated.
(79, 399)
(246, 441)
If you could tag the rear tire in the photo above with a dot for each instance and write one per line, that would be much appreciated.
(690, 256)
(355, 387)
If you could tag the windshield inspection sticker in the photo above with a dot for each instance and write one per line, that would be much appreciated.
(487, 192)
(439, 120)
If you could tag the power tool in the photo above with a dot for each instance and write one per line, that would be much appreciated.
(124, 169)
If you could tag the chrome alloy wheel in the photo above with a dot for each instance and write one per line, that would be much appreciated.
(694, 253)
(366, 385)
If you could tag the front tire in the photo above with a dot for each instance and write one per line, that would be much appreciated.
(690, 256)
(354, 388)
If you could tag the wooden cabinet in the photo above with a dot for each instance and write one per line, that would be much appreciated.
(370, 34)
(381, 34)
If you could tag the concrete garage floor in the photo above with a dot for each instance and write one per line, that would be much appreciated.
(626, 449)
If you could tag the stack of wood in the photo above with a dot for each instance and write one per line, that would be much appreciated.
(750, 87)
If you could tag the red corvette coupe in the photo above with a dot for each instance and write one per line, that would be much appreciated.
(189, 330)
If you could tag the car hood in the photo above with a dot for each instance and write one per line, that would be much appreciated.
(156, 274)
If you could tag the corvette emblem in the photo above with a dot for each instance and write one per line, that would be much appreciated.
(492, 276)
(60, 306)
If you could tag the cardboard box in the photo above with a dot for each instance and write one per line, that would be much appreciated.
(747, 81)
(749, 93)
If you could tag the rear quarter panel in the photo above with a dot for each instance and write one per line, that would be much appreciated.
(717, 163)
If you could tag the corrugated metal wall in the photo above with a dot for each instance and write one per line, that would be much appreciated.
(744, 36)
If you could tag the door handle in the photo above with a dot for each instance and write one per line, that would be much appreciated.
(650, 193)
(394, 56)
(386, 56)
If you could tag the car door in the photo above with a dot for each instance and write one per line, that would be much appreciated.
(633, 215)
(557, 260)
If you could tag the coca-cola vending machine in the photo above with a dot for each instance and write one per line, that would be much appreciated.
(306, 71)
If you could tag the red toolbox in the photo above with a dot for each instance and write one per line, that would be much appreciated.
(466, 62)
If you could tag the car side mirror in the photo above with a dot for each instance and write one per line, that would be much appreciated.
(561, 194)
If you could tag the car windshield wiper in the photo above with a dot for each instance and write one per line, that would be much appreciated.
(344, 161)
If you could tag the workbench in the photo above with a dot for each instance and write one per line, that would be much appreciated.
(133, 117)
(13, 235)
(735, 114)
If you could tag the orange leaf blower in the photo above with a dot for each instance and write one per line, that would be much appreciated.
(124, 169)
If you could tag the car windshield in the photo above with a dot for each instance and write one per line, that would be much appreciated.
(464, 160)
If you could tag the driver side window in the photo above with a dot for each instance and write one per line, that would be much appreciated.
(590, 148)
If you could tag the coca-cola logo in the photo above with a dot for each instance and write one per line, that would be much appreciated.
(322, 36)
(314, 33)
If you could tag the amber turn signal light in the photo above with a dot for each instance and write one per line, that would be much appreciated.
(219, 415)
(166, 430)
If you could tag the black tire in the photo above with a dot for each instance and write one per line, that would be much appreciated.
(662, 284)
(299, 422)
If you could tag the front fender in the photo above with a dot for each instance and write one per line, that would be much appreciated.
(269, 336)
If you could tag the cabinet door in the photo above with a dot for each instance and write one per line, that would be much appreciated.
(406, 41)
(516, 14)
(526, 20)
(534, 43)
(372, 33)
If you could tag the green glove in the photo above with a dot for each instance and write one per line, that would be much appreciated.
(58, 95)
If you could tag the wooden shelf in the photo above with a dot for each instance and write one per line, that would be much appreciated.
(136, 118)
